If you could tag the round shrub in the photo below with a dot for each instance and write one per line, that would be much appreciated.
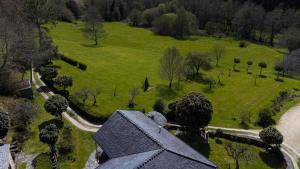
(56, 105)
(271, 136)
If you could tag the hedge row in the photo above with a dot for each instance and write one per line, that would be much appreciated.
(73, 62)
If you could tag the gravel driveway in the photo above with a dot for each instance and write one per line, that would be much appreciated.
(289, 126)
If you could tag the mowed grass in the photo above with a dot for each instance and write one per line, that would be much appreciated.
(126, 55)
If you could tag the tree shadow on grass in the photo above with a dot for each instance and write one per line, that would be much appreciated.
(59, 124)
(279, 80)
(91, 45)
(197, 143)
(262, 76)
(273, 159)
(166, 93)
(208, 90)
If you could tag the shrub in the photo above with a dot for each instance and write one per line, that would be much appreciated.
(265, 118)
(48, 73)
(66, 144)
(82, 66)
(159, 106)
(4, 123)
(243, 44)
(56, 105)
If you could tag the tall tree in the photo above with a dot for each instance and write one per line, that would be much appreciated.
(238, 153)
(273, 23)
(41, 12)
(170, 64)
(290, 39)
(93, 26)
(56, 105)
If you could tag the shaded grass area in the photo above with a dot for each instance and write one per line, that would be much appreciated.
(83, 142)
(215, 151)
(127, 55)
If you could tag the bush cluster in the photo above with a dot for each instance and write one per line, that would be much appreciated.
(73, 62)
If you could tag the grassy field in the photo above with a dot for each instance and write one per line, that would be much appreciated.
(83, 142)
(127, 55)
(216, 152)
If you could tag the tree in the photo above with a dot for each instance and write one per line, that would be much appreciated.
(279, 68)
(170, 64)
(210, 81)
(273, 23)
(291, 63)
(159, 106)
(218, 51)
(196, 60)
(49, 135)
(95, 93)
(265, 118)
(181, 27)
(41, 12)
(262, 66)
(235, 62)
(249, 63)
(93, 26)
(48, 73)
(135, 17)
(164, 25)
(133, 93)
(146, 84)
(290, 39)
(83, 95)
(4, 123)
(64, 81)
(238, 153)
(271, 136)
(194, 111)
(56, 105)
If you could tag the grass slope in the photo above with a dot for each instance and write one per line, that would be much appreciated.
(127, 55)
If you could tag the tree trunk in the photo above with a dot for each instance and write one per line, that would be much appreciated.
(170, 84)
(237, 165)
(217, 64)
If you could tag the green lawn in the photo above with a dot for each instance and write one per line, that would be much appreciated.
(84, 144)
(127, 55)
(215, 151)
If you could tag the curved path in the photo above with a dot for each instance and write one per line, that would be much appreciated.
(291, 145)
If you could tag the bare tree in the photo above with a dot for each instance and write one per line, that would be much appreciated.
(218, 51)
(170, 64)
(95, 93)
(83, 95)
(238, 153)
(197, 60)
(93, 27)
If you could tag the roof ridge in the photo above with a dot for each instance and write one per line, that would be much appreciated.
(150, 159)
(189, 158)
(144, 132)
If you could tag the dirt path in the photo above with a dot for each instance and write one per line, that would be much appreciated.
(289, 126)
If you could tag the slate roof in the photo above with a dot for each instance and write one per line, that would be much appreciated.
(4, 156)
(132, 140)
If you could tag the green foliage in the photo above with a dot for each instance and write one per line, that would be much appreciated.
(159, 106)
(290, 39)
(135, 17)
(4, 123)
(265, 118)
(66, 142)
(64, 81)
(83, 95)
(197, 60)
(262, 65)
(93, 26)
(56, 105)
(194, 111)
(49, 134)
(271, 136)
(164, 25)
(82, 66)
(146, 85)
(48, 73)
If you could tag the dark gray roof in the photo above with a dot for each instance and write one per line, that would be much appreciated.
(4, 156)
(158, 118)
(131, 132)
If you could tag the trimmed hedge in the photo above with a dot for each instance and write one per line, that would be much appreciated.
(69, 60)
(82, 66)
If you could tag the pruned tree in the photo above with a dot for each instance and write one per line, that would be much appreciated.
(278, 68)
(218, 51)
(238, 153)
(4, 123)
(235, 62)
(64, 81)
(93, 24)
(48, 73)
(170, 64)
(83, 95)
(210, 81)
(49, 135)
(194, 111)
(249, 64)
(95, 93)
(56, 105)
(271, 136)
(197, 60)
(133, 92)
(262, 65)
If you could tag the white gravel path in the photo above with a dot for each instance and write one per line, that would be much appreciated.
(289, 126)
